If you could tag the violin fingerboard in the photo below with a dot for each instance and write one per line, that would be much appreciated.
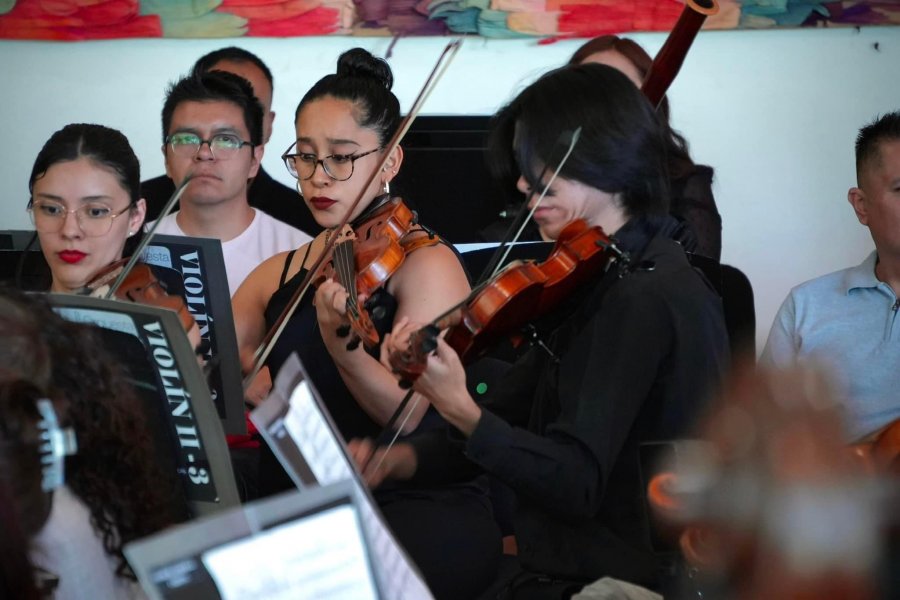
(345, 266)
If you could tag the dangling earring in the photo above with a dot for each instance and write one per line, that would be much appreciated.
(387, 187)
(299, 191)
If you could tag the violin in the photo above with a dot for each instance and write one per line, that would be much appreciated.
(366, 257)
(504, 305)
(140, 285)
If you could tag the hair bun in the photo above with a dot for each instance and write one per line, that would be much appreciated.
(358, 62)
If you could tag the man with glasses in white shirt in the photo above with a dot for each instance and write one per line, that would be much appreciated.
(213, 132)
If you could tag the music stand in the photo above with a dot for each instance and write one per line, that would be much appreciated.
(202, 269)
(308, 545)
(192, 429)
(296, 425)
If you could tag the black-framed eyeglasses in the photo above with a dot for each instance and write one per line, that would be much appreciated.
(94, 218)
(222, 146)
(339, 167)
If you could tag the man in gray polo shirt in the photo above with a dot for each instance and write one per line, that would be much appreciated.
(847, 321)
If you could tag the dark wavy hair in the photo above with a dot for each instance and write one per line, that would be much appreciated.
(103, 145)
(216, 86)
(680, 163)
(114, 472)
(366, 82)
(621, 149)
(24, 506)
(868, 143)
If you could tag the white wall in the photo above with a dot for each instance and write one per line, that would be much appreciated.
(775, 112)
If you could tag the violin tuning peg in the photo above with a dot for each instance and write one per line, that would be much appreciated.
(353, 344)
(343, 331)
(405, 384)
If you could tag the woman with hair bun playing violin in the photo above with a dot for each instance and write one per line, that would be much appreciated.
(629, 357)
(343, 125)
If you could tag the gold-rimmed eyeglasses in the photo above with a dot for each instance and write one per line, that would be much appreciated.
(94, 219)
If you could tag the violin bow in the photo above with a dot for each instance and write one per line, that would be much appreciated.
(265, 348)
(136, 255)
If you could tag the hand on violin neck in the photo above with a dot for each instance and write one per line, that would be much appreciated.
(444, 384)
(443, 380)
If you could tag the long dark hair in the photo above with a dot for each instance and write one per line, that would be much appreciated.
(621, 149)
(24, 506)
(103, 145)
(114, 472)
(680, 163)
(365, 81)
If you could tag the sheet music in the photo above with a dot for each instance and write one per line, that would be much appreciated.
(319, 557)
(323, 450)
(314, 438)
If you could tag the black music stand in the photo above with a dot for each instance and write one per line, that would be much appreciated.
(191, 430)
(205, 287)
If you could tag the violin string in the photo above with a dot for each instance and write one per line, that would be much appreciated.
(343, 257)
(575, 135)
(267, 344)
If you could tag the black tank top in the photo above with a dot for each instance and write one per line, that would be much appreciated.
(301, 335)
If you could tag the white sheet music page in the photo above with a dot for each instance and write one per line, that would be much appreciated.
(314, 438)
(318, 557)
(323, 450)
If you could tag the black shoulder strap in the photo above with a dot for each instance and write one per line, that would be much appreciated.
(287, 264)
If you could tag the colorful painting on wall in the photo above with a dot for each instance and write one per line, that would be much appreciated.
(105, 19)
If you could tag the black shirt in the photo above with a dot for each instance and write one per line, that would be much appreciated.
(266, 194)
(636, 358)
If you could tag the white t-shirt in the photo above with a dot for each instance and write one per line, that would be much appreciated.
(265, 237)
(69, 547)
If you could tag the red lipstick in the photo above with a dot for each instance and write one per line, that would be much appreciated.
(71, 256)
(321, 202)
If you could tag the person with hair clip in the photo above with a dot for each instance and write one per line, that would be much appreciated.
(630, 356)
(114, 490)
(691, 197)
(343, 125)
(85, 202)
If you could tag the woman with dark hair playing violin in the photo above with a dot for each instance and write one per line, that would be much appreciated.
(629, 357)
(343, 125)
(85, 202)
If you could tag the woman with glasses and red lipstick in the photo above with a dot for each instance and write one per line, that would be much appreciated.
(85, 202)
(343, 125)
